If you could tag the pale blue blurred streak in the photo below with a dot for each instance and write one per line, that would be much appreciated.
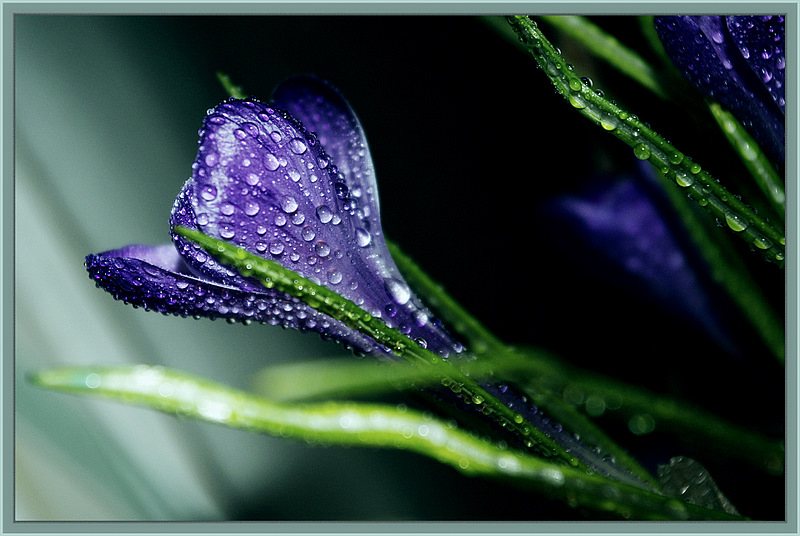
(106, 124)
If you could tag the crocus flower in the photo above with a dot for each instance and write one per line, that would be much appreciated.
(292, 181)
(739, 61)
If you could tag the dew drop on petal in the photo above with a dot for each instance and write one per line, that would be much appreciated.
(226, 232)
(250, 129)
(308, 234)
(211, 159)
(341, 189)
(289, 204)
(251, 208)
(324, 213)
(208, 193)
(322, 249)
(363, 238)
(335, 277)
(271, 162)
(397, 290)
(298, 146)
(275, 247)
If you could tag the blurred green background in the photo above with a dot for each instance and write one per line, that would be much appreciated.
(467, 138)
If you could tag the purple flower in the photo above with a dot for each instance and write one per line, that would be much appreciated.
(622, 226)
(740, 62)
(292, 181)
(296, 185)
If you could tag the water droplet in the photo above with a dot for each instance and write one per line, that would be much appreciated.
(322, 249)
(735, 222)
(363, 238)
(335, 277)
(641, 151)
(608, 122)
(683, 179)
(275, 247)
(211, 159)
(308, 234)
(271, 162)
(397, 290)
(226, 232)
(641, 424)
(577, 102)
(289, 204)
(324, 213)
(208, 192)
(762, 243)
(675, 158)
(251, 208)
(250, 128)
(251, 179)
(92, 380)
(341, 189)
(227, 209)
(298, 146)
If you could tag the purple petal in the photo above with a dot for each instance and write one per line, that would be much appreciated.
(719, 63)
(155, 278)
(323, 110)
(622, 224)
(760, 40)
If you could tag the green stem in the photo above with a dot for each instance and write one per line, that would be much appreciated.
(608, 48)
(753, 158)
(648, 145)
(483, 342)
(319, 297)
(681, 418)
(685, 419)
(372, 425)
(230, 88)
(729, 271)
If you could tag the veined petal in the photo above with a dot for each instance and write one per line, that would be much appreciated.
(719, 63)
(156, 278)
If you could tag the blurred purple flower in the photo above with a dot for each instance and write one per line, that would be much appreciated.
(623, 226)
(294, 183)
(739, 61)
